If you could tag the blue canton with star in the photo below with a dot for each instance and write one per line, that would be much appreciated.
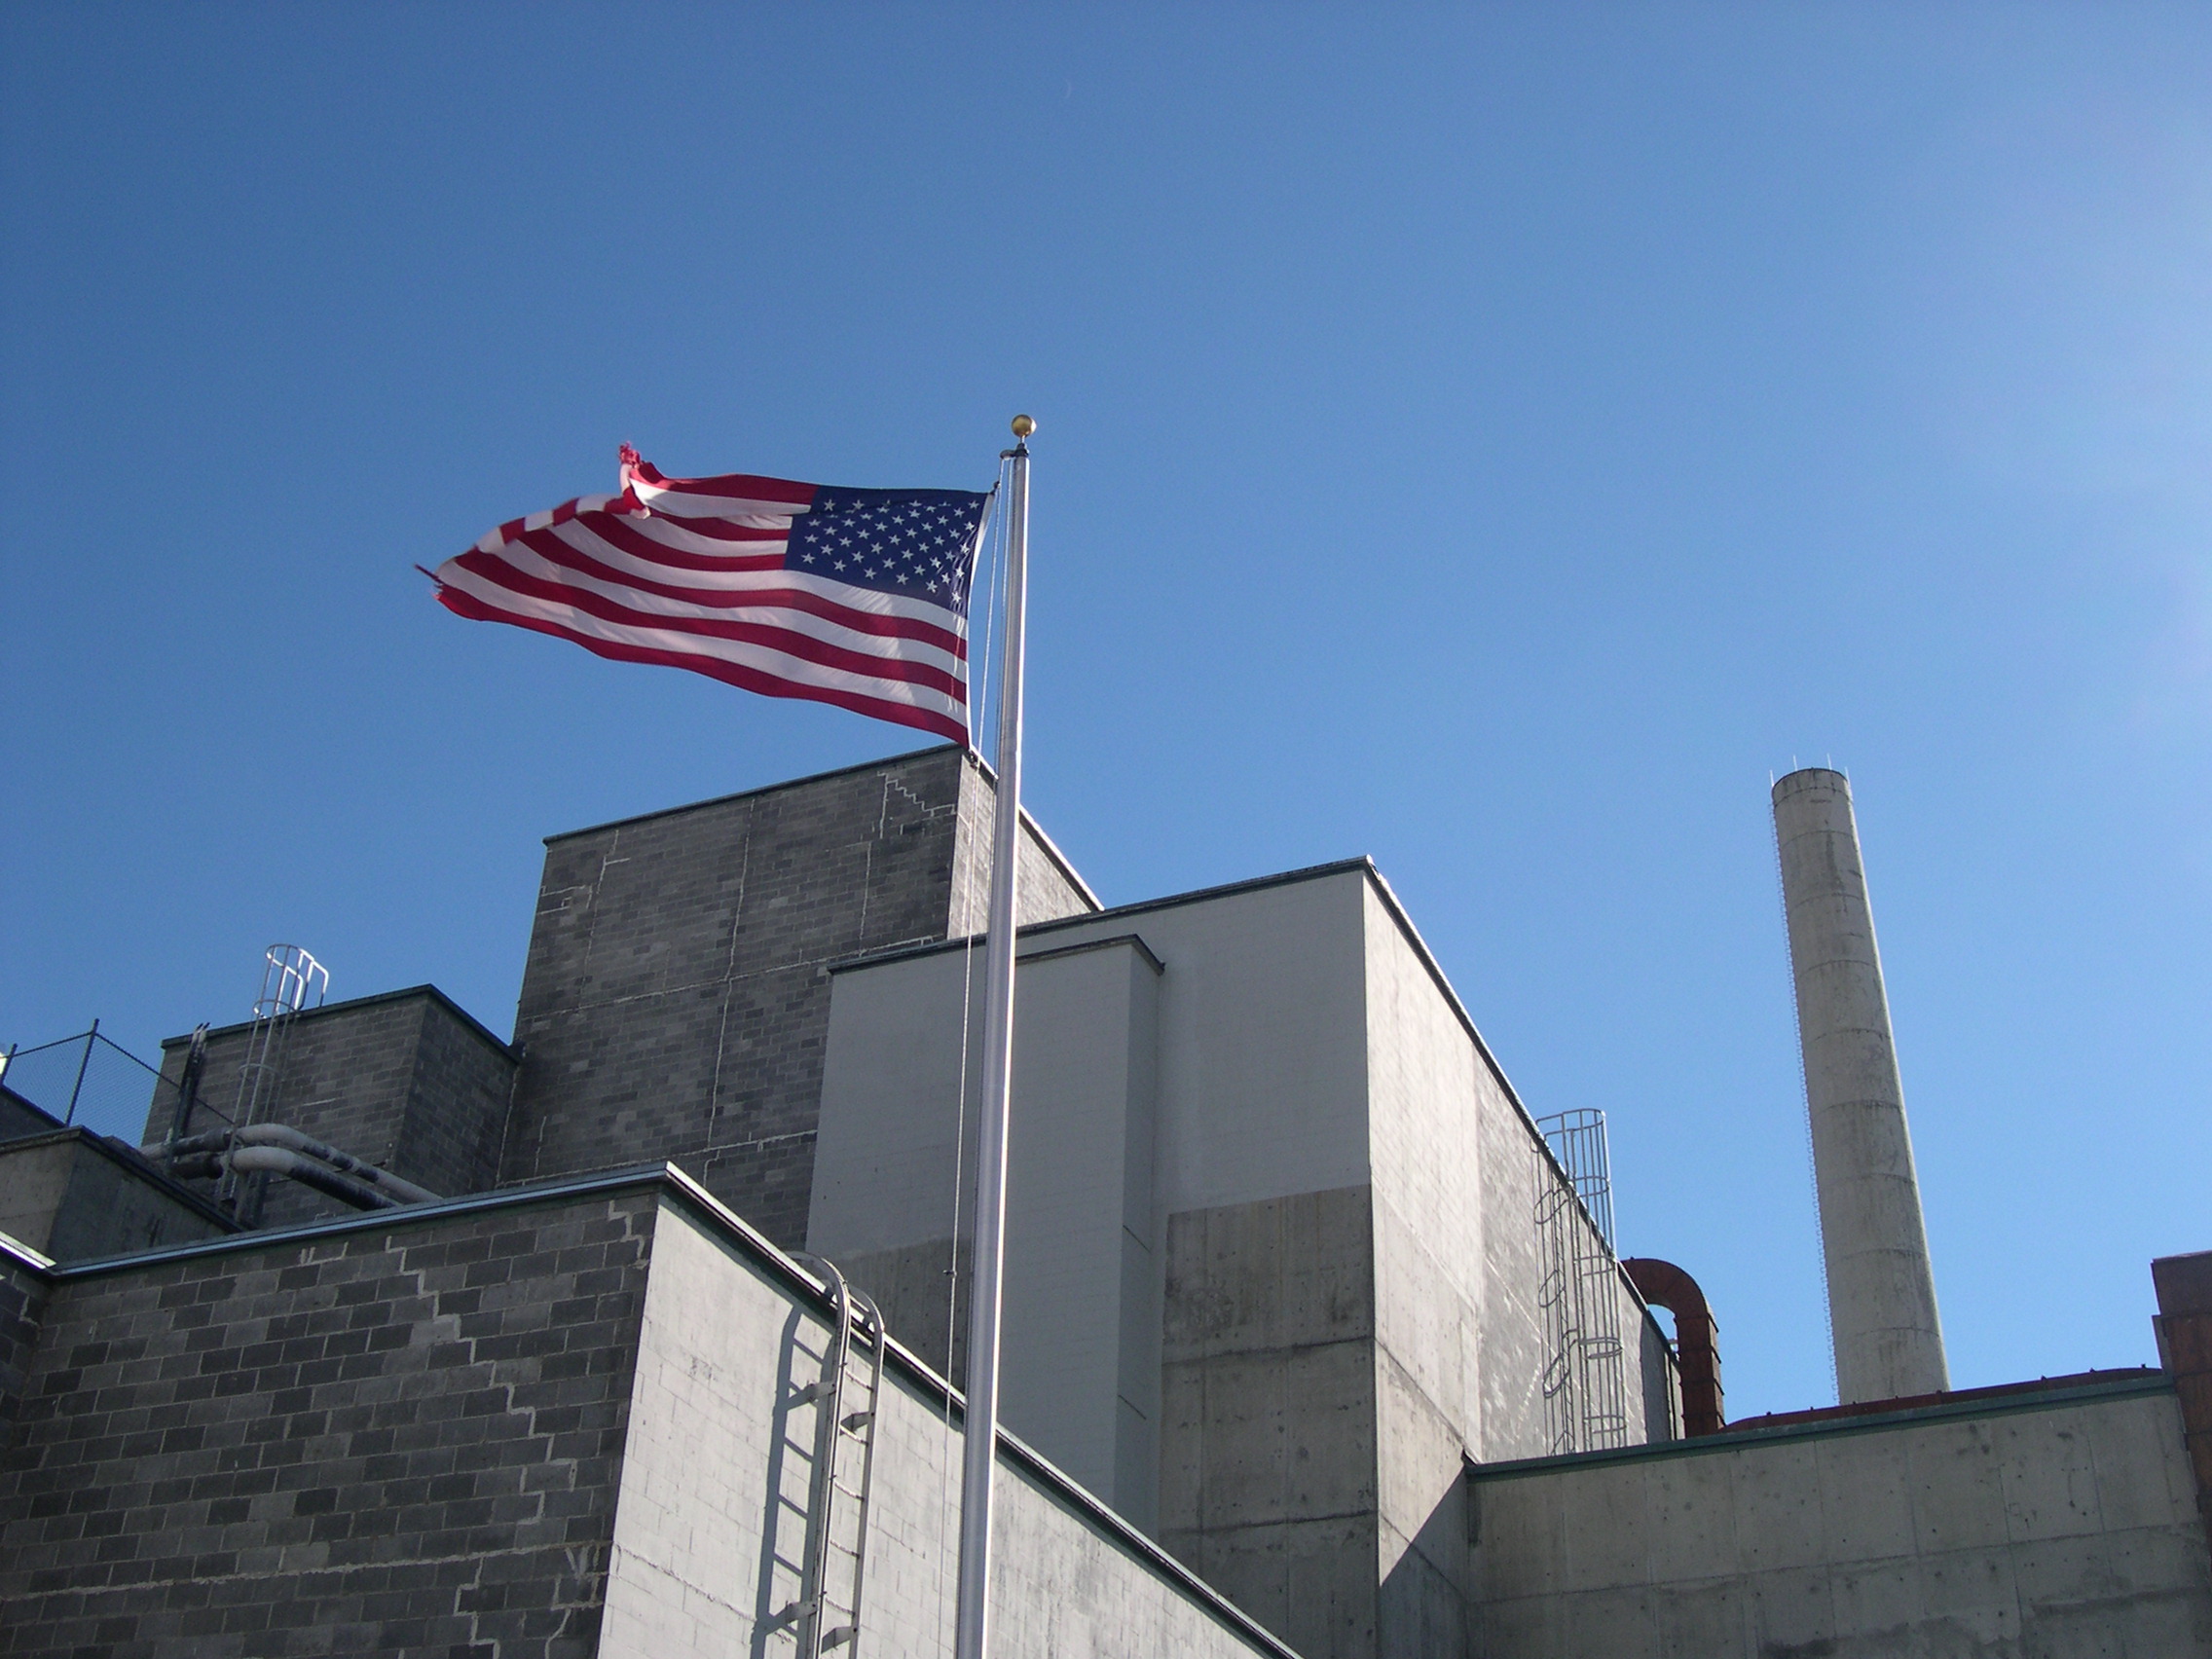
(917, 543)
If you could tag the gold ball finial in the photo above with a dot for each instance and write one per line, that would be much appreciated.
(1024, 425)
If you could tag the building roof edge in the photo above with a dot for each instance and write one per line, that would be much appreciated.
(370, 1000)
(744, 794)
(672, 1182)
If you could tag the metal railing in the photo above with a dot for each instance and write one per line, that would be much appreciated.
(90, 1079)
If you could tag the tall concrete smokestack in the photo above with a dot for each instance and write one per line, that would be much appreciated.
(1889, 1342)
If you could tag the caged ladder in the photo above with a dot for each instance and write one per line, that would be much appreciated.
(826, 1614)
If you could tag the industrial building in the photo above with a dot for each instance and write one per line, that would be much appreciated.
(630, 1335)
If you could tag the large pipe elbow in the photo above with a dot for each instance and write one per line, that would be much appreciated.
(1697, 1339)
(277, 1161)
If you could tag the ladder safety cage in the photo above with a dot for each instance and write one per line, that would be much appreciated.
(1578, 1294)
(290, 977)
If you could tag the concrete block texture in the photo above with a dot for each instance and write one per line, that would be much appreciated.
(675, 1000)
(23, 1306)
(400, 1439)
(405, 1079)
(1889, 1340)
(2001, 1533)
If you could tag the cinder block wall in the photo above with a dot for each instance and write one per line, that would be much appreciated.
(676, 1001)
(402, 1439)
(22, 1303)
(405, 1079)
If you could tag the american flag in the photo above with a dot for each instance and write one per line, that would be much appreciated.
(853, 597)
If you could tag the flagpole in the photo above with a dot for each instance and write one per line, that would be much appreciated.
(979, 1447)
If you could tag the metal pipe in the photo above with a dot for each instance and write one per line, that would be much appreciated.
(277, 1161)
(188, 1082)
(290, 1139)
(279, 1134)
(1697, 1340)
(1889, 1339)
(207, 1140)
(980, 1421)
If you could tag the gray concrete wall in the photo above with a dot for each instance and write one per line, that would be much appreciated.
(675, 1003)
(1964, 1533)
(1268, 1459)
(705, 1530)
(1083, 1274)
(1270, 1453)
(1320, 1095)
(19, 1118)
(1455, 1315)
(1265, 1327)
(404, 1079)
(1049, 884)
(69, 1196)
(1263, 1042)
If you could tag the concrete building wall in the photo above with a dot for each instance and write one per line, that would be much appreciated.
(715, 1485)
(1047, 883)
(1452, 1158)
(1344, 1196)
(676, 1003)
(1269, 1451)
(1263, 1048)
(19, 1118)
(1084, 1273)
(72, 1195)
(2064, 1525)
(405, 1079)
(1425, 1086)
(528, 1425)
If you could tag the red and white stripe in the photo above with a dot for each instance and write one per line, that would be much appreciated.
(688, 573)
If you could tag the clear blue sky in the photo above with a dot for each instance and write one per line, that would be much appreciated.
(1492, 439)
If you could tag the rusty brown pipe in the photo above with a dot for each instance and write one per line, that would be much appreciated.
(1697, 1340)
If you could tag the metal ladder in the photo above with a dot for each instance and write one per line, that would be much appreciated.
(826, 1614)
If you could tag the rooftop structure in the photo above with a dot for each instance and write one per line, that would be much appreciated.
(1315, 1342)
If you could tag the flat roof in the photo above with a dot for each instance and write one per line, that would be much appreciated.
(2042, 1394)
